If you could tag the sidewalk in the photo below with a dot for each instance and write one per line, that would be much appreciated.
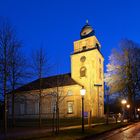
(28, 133)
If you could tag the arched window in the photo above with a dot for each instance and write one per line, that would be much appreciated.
(83, 72)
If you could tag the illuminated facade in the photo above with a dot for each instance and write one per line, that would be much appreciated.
(86, 70)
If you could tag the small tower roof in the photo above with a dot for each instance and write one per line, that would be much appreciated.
(86, 31)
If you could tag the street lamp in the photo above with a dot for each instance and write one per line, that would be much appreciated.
(128, 107)
(82, 92)
(123, 103)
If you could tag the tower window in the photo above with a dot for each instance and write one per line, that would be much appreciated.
(83, 72)
(97, 46)
(84, 48)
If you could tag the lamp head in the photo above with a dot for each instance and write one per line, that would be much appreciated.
(123, 101)
(82, 91)
(128, 106)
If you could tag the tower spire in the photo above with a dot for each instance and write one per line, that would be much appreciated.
(87, 21)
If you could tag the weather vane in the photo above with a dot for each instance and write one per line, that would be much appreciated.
(87, 21)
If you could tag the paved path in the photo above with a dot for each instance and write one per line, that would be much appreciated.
(131, 132)
(35, 132)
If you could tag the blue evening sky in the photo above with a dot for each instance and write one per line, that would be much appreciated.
(55, 24)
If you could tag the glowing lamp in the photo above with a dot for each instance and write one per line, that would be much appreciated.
(128, 106)
(82, 91)
(123, 101)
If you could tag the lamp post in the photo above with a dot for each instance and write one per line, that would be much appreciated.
(123, 104)
(98, 85)
(82, 92)
(138, 112)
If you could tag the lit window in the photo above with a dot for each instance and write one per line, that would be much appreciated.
(83, 72)
(69, 93)
(70, 107)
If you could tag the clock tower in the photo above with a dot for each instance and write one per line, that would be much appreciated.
(87, 70)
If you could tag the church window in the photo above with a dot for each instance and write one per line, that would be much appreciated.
(53, 104)
(69, 93)
(36, 107)
(83, 72)
(70, 107)
(22, 108)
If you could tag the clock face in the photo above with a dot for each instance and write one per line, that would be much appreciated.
(82, 59)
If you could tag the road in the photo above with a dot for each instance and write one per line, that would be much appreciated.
(131, 132)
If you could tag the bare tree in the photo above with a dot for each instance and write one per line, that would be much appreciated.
(6, 42)
(12, 65)
(40, 67)
(18, 72)
(59, 95)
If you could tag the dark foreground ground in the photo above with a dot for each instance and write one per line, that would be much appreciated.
(131, 132)
(69, 130)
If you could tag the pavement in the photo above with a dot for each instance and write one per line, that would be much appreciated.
(130, 132)
(30, 133)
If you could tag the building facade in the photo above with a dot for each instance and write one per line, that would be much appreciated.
(87, 65)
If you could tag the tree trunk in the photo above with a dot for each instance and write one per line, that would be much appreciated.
(40, 111)
(5, 113)
(134, 105)
(5, 90)
(57, 118)
(13, 109)
(107, 109)
(53, 121)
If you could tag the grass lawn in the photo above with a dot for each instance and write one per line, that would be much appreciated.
(74, 134)
(49, 122)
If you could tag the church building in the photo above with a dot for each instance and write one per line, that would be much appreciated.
(87, 63)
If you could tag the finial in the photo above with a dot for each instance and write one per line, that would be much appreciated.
(87, 21)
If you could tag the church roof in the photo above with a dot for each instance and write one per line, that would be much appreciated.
(49, 82)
